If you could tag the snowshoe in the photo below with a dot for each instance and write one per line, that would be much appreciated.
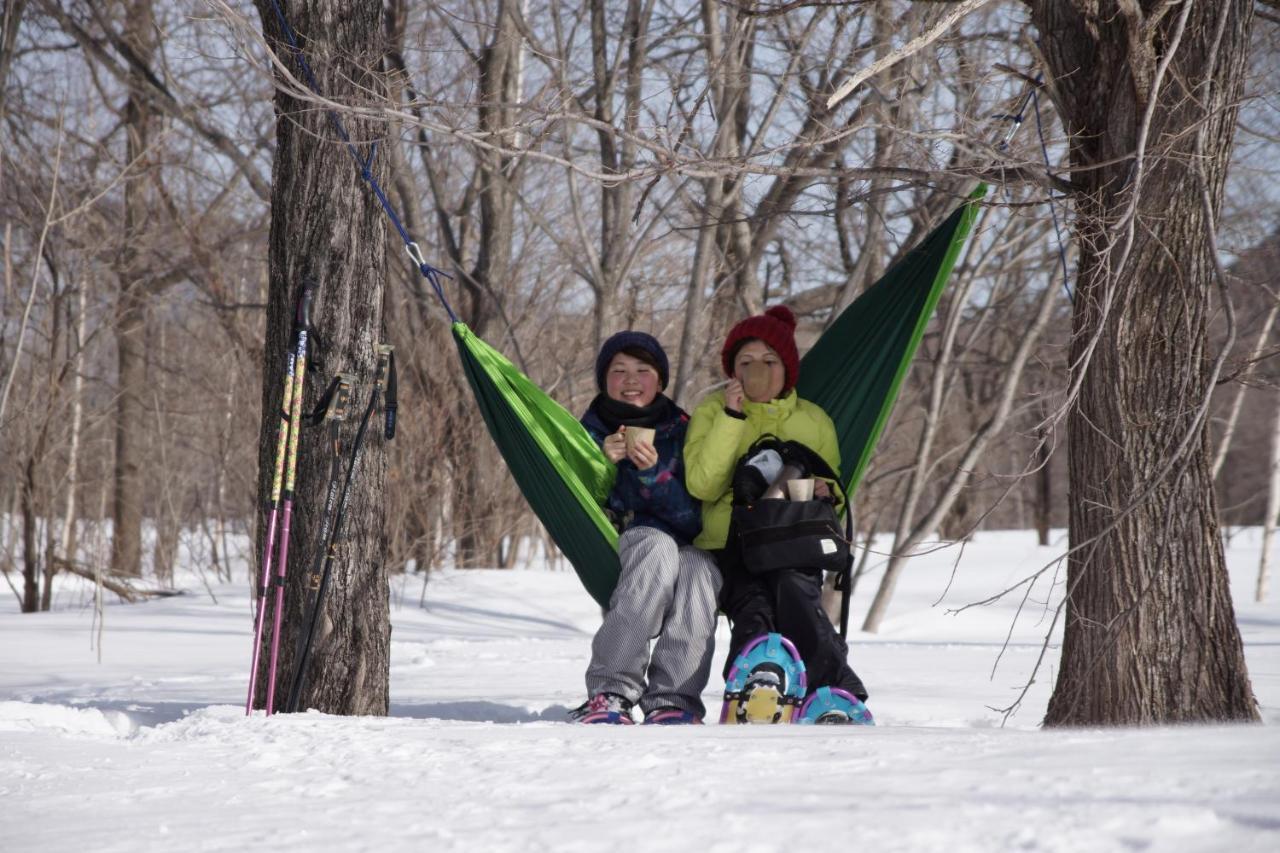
(765, 684)
(671, 717)
(608, 708)
(835, 707)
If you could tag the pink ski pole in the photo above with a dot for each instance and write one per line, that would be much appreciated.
(276, 483)
(291, 468)
(292, 380)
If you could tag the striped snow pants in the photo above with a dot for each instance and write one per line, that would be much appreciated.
(667, 592)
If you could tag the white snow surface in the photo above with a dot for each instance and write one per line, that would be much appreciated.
(151, 750)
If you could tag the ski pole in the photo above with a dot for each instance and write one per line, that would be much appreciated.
(385, 356)
(282, 440)
(303, 325)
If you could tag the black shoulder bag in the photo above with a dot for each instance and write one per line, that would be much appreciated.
(777, 533)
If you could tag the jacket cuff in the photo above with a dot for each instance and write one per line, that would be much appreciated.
(731, 413)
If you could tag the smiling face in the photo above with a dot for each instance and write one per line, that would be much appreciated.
(631, 380)
(757, 351)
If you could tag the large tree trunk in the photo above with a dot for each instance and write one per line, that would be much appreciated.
(1151, 635)
(327, 227)
(130, 319)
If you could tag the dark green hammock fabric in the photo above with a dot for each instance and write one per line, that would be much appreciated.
(855, 369)
(555, 461)
(854, 372)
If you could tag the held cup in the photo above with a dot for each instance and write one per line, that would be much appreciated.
(800, 490)
(634, 435)
(755, 381)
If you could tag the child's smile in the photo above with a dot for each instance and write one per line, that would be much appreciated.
(631, 380)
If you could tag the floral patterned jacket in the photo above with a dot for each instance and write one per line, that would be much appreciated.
(656, 497)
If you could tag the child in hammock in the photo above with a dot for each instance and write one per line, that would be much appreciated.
(723, 427)
(667, 588)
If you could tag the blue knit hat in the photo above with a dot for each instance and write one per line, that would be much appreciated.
(632, 341)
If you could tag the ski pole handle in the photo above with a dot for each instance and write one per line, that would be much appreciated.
(302, 320)
(384, 364)
(340, 404)
(389, 399)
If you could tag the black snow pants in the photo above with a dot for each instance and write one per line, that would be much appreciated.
(788, 601)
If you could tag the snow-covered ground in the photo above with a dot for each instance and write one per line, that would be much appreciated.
(150, 749)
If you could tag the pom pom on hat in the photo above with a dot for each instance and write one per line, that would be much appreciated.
(630, 340)
(777, 328)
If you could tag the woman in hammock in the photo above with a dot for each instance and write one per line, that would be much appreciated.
(667, 588)
(724, 426)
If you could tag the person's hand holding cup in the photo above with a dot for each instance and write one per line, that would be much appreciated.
(640, 449)
(615, 446)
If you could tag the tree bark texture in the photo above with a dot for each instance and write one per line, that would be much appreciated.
(131, 309)
(328, 227)
(1150, 633)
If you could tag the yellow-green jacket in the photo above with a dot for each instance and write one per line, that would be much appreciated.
(717, 440)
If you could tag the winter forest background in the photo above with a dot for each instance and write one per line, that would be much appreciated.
(578, 169)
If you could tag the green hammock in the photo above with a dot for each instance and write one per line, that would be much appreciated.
(854, 372)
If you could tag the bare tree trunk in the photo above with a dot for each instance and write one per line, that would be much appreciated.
(12, 17)
(699, 279)
(168, 525)
(1237, 402)
(120, 587)
(617, 252)
(55, 376)
(867, 268)
(30, 547)
(467, 510)
(1044, 483)
(130, 320)
(910, 531)
(490, 275)
(221, 553)
(99, 561)
(326, 227)
(1273, 508)
(67, 541)
(164, 552)
(127, 498)
(1149, 94)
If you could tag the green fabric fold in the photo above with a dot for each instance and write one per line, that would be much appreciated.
(856, 368)
(554, 460)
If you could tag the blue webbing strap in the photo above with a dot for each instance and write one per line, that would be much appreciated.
(1015, 122)
(430, 273)
(1053, 208)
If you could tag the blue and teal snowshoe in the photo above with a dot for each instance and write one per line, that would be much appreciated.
(834, 706)
(765, 684)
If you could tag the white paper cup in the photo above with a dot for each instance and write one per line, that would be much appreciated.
(800, 490)
(635, 435)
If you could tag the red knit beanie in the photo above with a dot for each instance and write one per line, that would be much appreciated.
(777, 328)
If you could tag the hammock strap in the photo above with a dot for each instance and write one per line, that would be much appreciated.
(1053, 208)
(430, 273)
